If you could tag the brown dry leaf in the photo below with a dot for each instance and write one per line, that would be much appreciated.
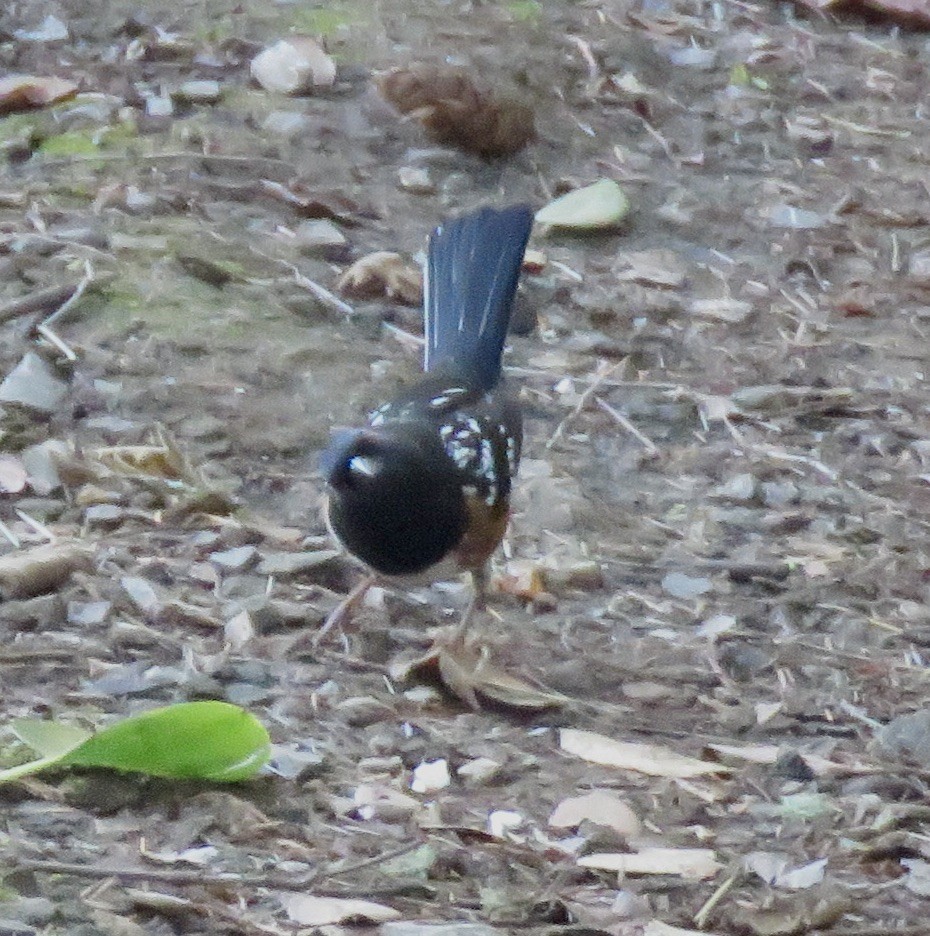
(696, 864)
(455, 111)
(649, 759)
(162, 460)
(307, 910)
(383, 273)
(522, 578)
(471, 677)
(23, 92)
(12, 474)
(42, 569)
(816, 909)
(602, 807)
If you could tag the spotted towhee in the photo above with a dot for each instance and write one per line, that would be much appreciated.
(425, 486)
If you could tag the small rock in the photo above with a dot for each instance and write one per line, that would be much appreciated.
(479, 770)
(288, 124)
(286, 564)
(294, 65)
(88, 612)
(199, 92)
(795, 219)
(104, 516)
(237, 559)
(51, 29)
(159, 106)
(415, 180)
(679, 585)
(691, 56)
(293, 762)
(318, 236)
(33, 383)
(37, 911)
(742, 488)
(41, 464)
(141, 593)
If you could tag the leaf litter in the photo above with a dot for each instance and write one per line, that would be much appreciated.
(761, 432)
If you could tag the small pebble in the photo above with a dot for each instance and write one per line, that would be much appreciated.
(318, 236)
(199, 92)
(237, 559)
(415, 180)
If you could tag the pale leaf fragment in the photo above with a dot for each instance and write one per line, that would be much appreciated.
(693, 863)
(602, 205)
(651, 759)
(602, 807)
(307, 910)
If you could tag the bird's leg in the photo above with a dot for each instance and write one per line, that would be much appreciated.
(477, 603)
(345, 610)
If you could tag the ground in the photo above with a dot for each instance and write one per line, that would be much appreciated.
(719, 537)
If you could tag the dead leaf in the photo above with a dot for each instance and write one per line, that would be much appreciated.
(696, 864)
(456, 111)
(42, 569)
(602, 807)
(307, 910)
(23, 92)
(772, 867)
(470, 676)
(383, 273)
(649, 759)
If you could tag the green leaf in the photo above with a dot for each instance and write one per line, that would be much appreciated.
(194, 740)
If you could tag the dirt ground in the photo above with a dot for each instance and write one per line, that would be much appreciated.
(725, 493)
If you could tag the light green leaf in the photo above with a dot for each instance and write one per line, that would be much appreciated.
(194, 740)
(49, 738)
(592, 208)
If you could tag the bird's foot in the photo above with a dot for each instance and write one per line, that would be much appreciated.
(343, 613)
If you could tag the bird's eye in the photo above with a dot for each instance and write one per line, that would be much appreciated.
(364, 466)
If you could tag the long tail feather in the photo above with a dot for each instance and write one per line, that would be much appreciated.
(472, 269)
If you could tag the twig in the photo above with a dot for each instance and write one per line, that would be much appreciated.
(73, 299)
(38, 301)
(700, 918)
(600, 375)
(95, 872)
(14, 540)
(39, 528)
(615, 414)
(376, 860)
(57, 342)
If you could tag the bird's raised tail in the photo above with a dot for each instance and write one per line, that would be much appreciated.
(472, 268)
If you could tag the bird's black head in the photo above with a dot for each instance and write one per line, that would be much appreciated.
(395, 498)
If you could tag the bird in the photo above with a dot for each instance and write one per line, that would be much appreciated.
(422, 491)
